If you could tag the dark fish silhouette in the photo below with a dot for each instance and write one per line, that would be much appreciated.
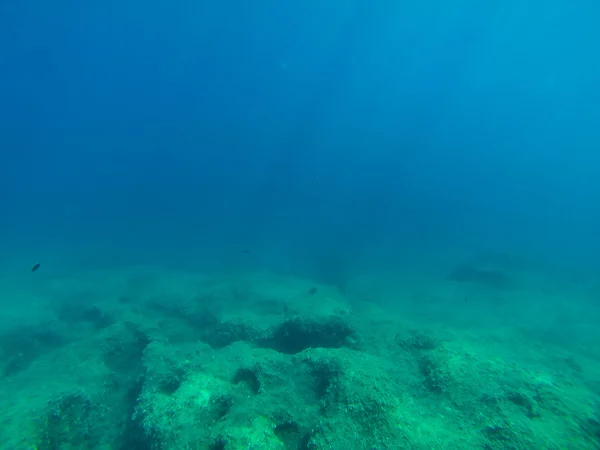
(35, 267)
(312, 291)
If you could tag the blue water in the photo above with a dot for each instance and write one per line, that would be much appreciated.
(281, 134)
(311, 224)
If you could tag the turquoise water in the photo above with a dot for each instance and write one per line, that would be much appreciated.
(297, 226)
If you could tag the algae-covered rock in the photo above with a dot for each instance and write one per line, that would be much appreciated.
(359, 401)
(268, 362)
(70, 422)
(184, 418)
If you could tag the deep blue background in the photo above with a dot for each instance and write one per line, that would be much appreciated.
(295, 135)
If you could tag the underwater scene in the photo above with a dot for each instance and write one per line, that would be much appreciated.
(300, 225)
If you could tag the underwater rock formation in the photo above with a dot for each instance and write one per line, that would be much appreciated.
(272, 365)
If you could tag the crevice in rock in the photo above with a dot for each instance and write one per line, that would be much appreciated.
(322, 382)
(249, 379)
(218, 444)
(298, 334)
(289, 434)
(225, 334)
(124, 350)
(172, 381)
(220, 406)
(134, 435)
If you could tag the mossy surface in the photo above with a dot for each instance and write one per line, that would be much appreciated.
(166, 360)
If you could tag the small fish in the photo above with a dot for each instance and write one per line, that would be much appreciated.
(312, 291)
(35, 267)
